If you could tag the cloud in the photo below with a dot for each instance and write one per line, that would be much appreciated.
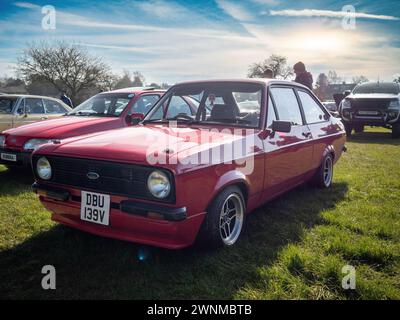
(26, 5)
(161, 9)
(328, 14)
(235, 10)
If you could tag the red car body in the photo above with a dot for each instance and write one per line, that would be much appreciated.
(282, 161)
(67, 127)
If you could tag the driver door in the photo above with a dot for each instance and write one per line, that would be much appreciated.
(30, 110)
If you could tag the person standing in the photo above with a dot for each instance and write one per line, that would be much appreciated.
(64, 98)
(302, 75)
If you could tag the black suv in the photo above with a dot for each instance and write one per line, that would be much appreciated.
(372, 104)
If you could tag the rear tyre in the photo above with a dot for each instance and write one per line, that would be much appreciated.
(324, 176)
(396, 130)
(359, 128)
(224, 220)
(349, 128)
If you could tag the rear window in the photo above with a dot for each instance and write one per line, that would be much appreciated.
(388, 88)
(7, 104)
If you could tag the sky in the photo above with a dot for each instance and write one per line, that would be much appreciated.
(177, 40)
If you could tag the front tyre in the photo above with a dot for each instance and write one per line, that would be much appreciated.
(224, 220)
(324, 176)
(396, 130)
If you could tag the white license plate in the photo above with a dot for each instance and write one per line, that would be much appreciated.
(95, 207)
(9, 157)
(368, 113)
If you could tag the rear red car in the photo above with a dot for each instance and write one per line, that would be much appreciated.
(104, 111)
(183, 175)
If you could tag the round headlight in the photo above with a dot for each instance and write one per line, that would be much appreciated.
(43, 168)
(159, 184)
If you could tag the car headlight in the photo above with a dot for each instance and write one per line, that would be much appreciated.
(2, 141)
(395, 104)
(158, 184)
(43, 169)
(346, 104)
(33, 144)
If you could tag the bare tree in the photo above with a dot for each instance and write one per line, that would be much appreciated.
(278, 64)
(125, 81)
(360, 79)
(138, 79)
(333, 77)
(67, 67)
(321, 86)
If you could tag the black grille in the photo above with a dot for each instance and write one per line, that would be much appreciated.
(114, 178)
(370, 104)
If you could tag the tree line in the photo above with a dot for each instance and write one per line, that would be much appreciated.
(52, 68)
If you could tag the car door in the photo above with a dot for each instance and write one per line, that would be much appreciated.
(319, 124)
(30, 110)
(7, 106)
(53, 109)
(287, 155)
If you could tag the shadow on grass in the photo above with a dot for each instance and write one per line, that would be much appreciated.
(92, 267)
(375, 138)
(15, 180)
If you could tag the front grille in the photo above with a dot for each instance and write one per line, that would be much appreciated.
(379, 105)
(114, 178)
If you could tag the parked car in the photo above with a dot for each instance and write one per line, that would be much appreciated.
(182, 175)
(104, 111)
(372, 104)
(18, 110)
(331, 107)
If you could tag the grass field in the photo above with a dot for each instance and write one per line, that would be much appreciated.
(292, 248)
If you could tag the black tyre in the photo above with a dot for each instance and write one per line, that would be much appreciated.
(224, 220)
(324, 176)
(396, 130)
(349, 128)
(359, 128)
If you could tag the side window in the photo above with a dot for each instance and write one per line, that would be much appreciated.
(286, 105)
(178, 106)
(34, 106)
(53, 107)
(271, 116)
(144, 103)
(312, 111)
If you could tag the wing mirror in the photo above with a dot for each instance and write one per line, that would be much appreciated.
(346, 93)
(134, 118)
(281, 126)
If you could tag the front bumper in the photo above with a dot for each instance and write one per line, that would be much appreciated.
(22, 159)
(130, 220)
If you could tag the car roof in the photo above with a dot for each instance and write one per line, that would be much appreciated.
(136, 90)
(263, 81)
(28, 96)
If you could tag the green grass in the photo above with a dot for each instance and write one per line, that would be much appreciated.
(292, 248)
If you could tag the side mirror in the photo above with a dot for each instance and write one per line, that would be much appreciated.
(281, 126)
(346, 93)
(134, 118)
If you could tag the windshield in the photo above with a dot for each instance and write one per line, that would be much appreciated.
(103, 105)
(7, 104)
(231, 103)
(388, 88)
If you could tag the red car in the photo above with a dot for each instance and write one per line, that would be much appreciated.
(182, 175)
(104, 111)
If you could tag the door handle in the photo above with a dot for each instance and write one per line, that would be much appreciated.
(44, 118)
(307, 134)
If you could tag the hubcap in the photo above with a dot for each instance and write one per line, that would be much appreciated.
(328, 171)
(231, 219)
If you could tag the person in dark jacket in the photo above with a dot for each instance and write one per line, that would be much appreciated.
(302, 75)
(64, 98)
